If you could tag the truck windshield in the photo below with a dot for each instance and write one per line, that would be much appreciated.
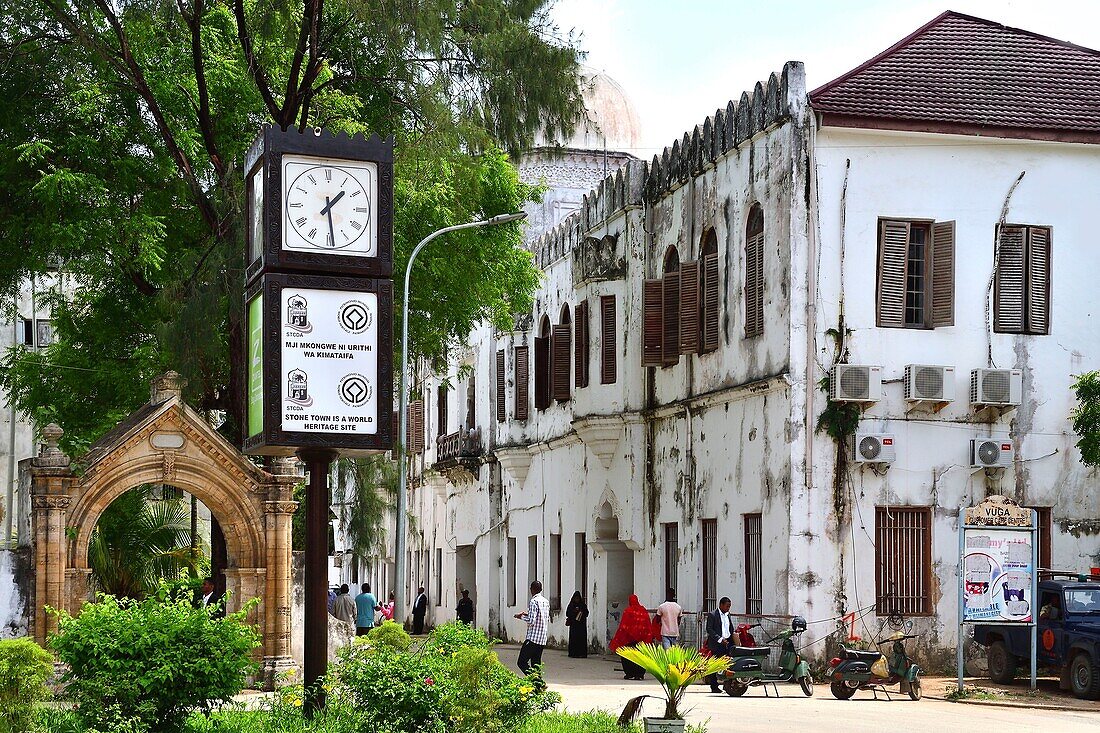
(1083, 601)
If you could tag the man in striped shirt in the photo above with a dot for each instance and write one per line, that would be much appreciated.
(537, 617)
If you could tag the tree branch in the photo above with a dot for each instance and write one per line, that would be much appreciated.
(254, 68)
(206, 125)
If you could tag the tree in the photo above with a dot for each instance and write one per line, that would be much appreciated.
(124, 124)
(364, 492)
(1086, 417)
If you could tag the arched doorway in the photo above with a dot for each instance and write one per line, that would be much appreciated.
(166, 442)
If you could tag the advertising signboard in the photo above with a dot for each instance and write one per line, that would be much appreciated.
(320, 364)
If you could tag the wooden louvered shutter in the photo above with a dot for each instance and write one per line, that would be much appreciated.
(441, 410)
(561, 349)
(1008, 285)
(502, 411)
(754, 285)
(1038, 280)
(653, 314)
(583, 346)
(893, 244)
(711, 300)
(542, 372)
(689, 307)
(520, 362)
(608, 366)
(671, 344)
(943, 274)
(415, 427)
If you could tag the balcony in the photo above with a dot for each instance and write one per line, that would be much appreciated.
(458, 455)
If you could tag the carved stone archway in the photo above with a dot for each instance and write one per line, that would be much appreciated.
(166, 442)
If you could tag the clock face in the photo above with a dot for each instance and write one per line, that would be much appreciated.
(328, 206)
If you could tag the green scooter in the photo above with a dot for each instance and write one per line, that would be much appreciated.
(746, 670)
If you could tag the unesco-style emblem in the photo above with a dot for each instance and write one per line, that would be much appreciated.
(354, 390)
(297, 388)
(355, 317)
(297, 314)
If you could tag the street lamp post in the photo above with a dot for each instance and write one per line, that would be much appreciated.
(399, 549)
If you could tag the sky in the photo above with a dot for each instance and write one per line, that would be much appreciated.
(680, 60)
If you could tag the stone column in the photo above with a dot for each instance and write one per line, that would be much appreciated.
(277, 659)
(50, 500)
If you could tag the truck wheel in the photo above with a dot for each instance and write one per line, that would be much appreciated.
(1084, 677)
(1002, 663)
(841, 691)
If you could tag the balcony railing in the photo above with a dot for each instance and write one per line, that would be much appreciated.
(466, 443)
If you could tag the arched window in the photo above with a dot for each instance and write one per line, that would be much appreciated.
(561, 351)
(754, 272)
(710, 297)
(542, 365)
(671, 348)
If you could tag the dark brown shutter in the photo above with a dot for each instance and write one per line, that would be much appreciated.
(893, 244)
(415, 427)
(711, 300)
(441, 410)
(542, 372)
(608, 367)
(689, 307)
(653, 314)
(521, 365)
(561, 349)
(1008, 285)
(1038, 280)
(502, 411)
(583, 346)
(754, 285)
(671, 343)
(943, 274)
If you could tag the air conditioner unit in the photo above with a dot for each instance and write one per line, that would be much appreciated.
(855, 383)
(874, 448)
(928, 382)
(996, 387)
(990, 453)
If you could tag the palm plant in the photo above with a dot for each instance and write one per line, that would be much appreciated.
(138, 542)
(365, 489)
(674, 668)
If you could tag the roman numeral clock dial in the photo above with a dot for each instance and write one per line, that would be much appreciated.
(328, 205)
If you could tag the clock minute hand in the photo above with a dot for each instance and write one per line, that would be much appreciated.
(330, 204)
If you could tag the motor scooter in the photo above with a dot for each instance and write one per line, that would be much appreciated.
(870, 670)
(746, 670)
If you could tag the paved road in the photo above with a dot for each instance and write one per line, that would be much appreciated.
(596, 682)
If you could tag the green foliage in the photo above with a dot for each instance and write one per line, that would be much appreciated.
(1086, 417)
(127, 167)
(138, 543)
(364, 494)
(145, 664)
(388, 635)
(452, 637)
(674, 669)
(839, 420)
(25, 668)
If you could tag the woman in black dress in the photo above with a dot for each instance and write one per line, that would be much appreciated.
(576, 618)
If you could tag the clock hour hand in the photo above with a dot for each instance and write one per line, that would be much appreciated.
(330, 204)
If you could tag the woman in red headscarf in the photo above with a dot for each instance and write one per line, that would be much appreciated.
(635, 627)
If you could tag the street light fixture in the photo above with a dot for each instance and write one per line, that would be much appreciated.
(399, 549)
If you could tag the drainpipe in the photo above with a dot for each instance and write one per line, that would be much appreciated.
(811, 303)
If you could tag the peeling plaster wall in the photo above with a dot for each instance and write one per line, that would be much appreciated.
(965, 179)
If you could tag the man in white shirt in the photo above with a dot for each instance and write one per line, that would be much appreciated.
(670, 612)
(537, 617)
(719, 631)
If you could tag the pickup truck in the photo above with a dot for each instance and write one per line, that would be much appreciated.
(1068, 637)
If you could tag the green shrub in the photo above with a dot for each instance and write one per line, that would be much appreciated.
(451, 637)
(388, 635)
(143, 665)
(25, 668)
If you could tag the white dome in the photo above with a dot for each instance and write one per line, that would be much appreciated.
(610, 123)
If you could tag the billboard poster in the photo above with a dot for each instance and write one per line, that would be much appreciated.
(998, 572)
(329, 348)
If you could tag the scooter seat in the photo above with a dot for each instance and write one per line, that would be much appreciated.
(870, 657)
(749, 651)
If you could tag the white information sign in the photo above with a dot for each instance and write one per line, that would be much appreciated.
(329, 344)
(997, 585)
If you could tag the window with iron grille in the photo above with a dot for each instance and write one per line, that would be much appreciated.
(754, 563)
(1021, 288)
(672, 554)
(710, 563)
(916, 274)
(903, 560)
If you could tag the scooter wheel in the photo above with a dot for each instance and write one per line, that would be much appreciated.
(734, 688)
(807, 685)
(914, 690)
(841, 691)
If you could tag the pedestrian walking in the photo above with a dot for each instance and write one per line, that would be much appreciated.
(420, 607)
(365, 606)
(537, 617)
(719, 631)
(670, 612)
(635, 627)
(465, 608)
(344, 607)
(576, 618)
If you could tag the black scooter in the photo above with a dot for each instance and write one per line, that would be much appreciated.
(855, 670)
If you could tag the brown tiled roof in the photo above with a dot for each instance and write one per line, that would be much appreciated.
(964, 74)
